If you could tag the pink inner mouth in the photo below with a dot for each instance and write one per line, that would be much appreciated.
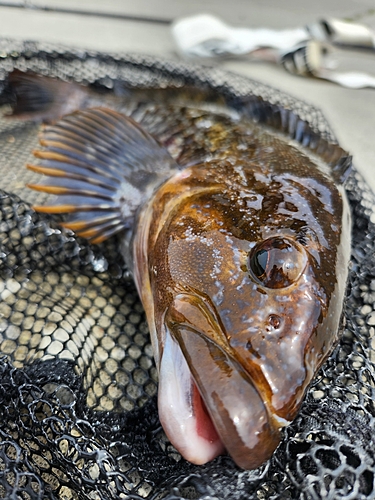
(182, 412)
(204, 425)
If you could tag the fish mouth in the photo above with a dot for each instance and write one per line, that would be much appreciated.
(207, 400)
(182, 412)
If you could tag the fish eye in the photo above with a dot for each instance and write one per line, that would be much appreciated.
(277, 262)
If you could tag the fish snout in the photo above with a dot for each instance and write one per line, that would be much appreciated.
(234, 404)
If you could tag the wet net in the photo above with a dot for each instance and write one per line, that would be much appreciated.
(78, 384)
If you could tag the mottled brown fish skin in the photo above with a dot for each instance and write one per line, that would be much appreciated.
(197, 237)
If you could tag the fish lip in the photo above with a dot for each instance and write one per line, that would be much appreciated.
(205, 322)
(239, 413)
(181, 409)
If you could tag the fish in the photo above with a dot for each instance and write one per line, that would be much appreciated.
(236, 228)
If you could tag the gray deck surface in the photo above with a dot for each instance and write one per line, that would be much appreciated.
(350, 112)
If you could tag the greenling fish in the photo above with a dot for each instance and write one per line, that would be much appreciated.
(237, 233)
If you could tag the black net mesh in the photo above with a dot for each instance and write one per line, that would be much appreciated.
(78, 416)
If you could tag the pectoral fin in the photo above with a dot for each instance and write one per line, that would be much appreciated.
(102, 167)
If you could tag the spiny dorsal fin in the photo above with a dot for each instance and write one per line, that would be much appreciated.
(288, 122)
(102, 166)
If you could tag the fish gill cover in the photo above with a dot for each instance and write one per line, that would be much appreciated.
(78, 414)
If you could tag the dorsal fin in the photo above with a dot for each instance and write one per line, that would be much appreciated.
(288, 122)
(102, 166)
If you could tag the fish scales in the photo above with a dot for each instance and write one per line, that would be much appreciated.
(237, 236)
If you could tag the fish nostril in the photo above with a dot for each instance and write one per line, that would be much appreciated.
(274, 322)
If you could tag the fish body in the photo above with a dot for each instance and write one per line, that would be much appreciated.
(238, 239)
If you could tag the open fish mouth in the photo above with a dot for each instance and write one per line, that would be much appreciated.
(207, 400)
(182, 412)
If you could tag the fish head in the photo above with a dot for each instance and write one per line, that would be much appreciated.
(247, 296)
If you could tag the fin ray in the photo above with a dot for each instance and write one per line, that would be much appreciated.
(70, 208)
(62, 190)
(69, 172)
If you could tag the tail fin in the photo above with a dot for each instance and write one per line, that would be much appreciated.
(102, 166)
(41, 98)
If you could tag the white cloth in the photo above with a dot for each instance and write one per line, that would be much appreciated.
(308, 51)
